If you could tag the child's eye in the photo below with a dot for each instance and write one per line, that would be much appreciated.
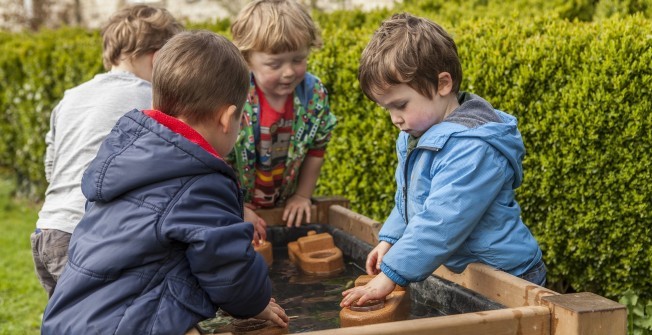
(298, 60)
(401, 106)
(274, 66)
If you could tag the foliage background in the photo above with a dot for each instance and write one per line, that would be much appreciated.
(576, 74)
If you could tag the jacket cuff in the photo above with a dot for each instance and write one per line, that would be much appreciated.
(388, 239)
(395, 277)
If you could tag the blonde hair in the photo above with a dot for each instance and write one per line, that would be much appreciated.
(410, 50)
(196, 74)
(274, 26)
(135, 31)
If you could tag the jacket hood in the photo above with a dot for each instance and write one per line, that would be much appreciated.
(140, 151)
(476, 118)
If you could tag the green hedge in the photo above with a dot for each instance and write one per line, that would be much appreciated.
(36, 69)
(580, 91)
(580, 94)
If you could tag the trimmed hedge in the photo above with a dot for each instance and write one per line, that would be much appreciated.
(579, 90)
(36, 69)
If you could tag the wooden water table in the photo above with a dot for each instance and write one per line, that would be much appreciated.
(529, 309)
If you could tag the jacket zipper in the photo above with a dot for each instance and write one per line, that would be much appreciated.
(405, 177)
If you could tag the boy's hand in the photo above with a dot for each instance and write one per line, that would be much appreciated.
(295, 207)
(260, 232)
(375, 257)
(275, 313)
(377, 288)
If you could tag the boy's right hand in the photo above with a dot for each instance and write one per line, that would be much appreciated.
(260, 226)
(377, 288)
(275, 313)
(375, 257)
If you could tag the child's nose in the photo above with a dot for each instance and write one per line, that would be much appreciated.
(288, 71)
(395, 119)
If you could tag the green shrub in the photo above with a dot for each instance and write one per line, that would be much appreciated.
(639, 314)
(37, 69)
(578, 92)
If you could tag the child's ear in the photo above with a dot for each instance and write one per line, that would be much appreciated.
(226, 116)
(445, 85)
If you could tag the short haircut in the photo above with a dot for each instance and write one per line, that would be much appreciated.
(196, 73)
(274, 26)
(410, 50)
(135, 31)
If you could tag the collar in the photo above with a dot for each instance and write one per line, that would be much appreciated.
(182, 129)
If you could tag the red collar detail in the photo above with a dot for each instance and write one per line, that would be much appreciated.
(182, 129)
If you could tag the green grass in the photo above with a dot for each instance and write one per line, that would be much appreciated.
(22, 299)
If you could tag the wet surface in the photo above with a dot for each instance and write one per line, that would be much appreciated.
(312, 302)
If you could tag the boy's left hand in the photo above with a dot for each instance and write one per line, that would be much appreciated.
(295, 207)
(377, 288)
(260, 226)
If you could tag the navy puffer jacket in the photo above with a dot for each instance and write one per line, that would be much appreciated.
(162, 245)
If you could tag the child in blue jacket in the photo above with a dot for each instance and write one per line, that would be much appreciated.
(459, 161)
(163, 243)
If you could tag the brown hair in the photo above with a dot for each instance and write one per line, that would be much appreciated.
(196, 73)
(411, 50)
(135, 31)
(274, 26)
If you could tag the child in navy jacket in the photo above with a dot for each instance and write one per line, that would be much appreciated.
(163, 243)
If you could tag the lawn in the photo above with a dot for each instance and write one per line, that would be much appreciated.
(22, 299)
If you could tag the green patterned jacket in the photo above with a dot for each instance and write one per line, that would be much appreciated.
(311, 129)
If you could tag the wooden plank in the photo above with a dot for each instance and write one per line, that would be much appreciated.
(318, 214)
(586, 313)
(355, 224)
(497, 285)
(323, 203)
(532, 320)
(274, 216)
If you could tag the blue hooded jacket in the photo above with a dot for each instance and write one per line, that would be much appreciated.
(454, 203)
(162, 244)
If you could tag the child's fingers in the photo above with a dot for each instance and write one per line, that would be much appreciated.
(301, 211)
(278, 320)
(260, 226)
(281, 313)
(290, 219)
(350, 296)
(279, 317)
(308, 214)
(288, 216)
(371, 263)
(374, 259)
(256, 237)
(294, 217)
(286, 212)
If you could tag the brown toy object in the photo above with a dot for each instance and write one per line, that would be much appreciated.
(316, 254)
(395, 307)
(265, 250)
